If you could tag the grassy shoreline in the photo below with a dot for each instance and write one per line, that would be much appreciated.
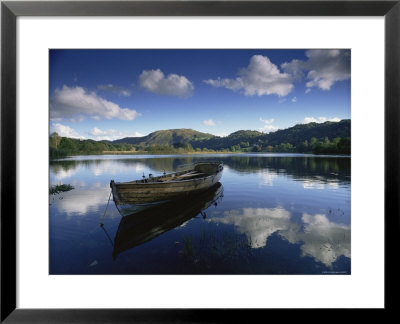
(191, 153)
(161, 153)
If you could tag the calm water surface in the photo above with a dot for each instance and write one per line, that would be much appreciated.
(271, 214)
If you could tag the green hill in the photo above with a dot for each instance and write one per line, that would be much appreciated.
(172, 137)
(305, 132)
(299, 136)
(295, 136)
(243, 138)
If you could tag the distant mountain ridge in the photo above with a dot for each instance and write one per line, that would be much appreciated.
(294, 135)
(171, 137)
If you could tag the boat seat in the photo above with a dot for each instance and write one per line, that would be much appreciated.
(191, 175)
(165, 179)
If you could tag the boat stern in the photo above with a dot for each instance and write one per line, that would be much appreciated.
(114, 191)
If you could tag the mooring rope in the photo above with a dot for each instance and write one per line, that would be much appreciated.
(101, 221)
(108, 236)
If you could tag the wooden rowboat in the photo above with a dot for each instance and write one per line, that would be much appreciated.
(138, 194)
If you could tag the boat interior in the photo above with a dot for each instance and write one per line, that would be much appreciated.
(192, 174)
(199, 170)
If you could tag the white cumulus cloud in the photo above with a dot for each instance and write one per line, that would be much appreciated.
(319, 120)
(322, 69)
(96, 131)
(268, 127)
(115, 89)
(174, 85)
(77, 103)
(267, 121)
(261, 77)
(64, 131)
(209, 122)
(110, 134)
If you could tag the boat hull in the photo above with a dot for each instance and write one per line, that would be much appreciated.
(131, 197)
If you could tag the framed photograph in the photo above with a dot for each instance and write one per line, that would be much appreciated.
(230, 147)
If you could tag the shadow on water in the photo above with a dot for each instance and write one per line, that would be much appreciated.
(143, 226)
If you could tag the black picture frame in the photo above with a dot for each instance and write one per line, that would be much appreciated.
(10, 10)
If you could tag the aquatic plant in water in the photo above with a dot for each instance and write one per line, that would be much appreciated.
(54, 190)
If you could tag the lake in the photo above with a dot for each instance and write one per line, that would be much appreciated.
(270, 214)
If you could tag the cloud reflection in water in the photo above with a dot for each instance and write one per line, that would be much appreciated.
(319, 238)
(82, 202)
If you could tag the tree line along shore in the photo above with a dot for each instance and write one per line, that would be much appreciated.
(325, 138)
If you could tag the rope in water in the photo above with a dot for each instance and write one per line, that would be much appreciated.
(109, 197)
(108, 236)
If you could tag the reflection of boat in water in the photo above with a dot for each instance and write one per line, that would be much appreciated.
(147, 224)
(138, 194)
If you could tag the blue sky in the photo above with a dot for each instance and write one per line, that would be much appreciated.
(110, 94)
